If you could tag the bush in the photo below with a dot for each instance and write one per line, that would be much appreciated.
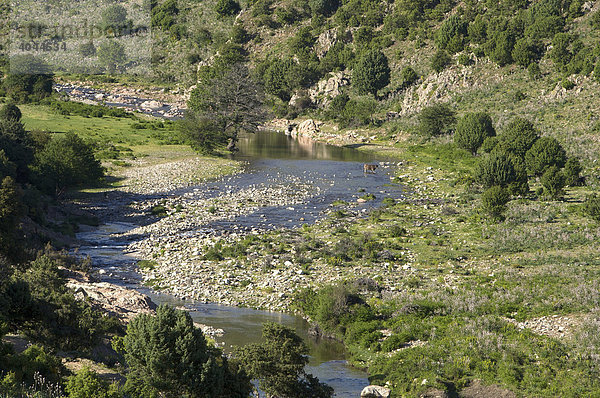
(66, 161)
(591, 207)
(114, 17)
(112, 55)
(371, 72)
(544, 153)
(167, 354)
(409, 76)
(87, 384)
(358, 112)
(87, 49)
(518, 137)
(226, 8)
(440, 60)
(10, 112)
(572, 172)
(494, 201)
(525, 52)
(553, 182)
(472, 130)
(451, 35)
(436, 120)
(496, 169)
(323, 7)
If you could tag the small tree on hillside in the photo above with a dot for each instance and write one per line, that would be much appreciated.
(227, 7)
(572, 172)
(112, 55)
(544, 153)
(371, 72)
(494, 201)
(279, 362)
(518, 137)
(436, 119)
(472, 130)
(553, 182)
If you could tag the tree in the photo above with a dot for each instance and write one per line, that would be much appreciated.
(553, 182)
(572, 172)
(29, 79)
(371, 72)
(279, 362)
(231, 101)
(518, 137)
(544, 153)
(66, 162)
(323, 7)
(11, 211)
(451, 35)
(17, 146)
(525, 52)
(591, 207)
(409, 76)
(496, 169)
(10, 112)
(169, 357)
(436, 119)
(201, 133)
(440, 60)
(494, 201)
(112, 55)
(114, 19)
(226, 8)
(472, 130)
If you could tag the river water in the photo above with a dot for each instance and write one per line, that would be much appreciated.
(271, 158)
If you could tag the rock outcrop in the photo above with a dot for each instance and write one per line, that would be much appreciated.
(327, 89)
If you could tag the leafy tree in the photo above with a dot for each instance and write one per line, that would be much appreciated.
(501, 47)
(525, 52)
(591, 207)
(323, 7)
(518, 136)
(371, 72)
(436, 119)
(201, 133)
(112, 55)
(553, 182)
(279, 362)
(10, 112)
(545, 152)
(114, 19)
(230, 101)
(451, 35)
(572, 172)
(440, 60)
(87, 384)
(560, 53)
(66, 161)
(472, 129)
(11, 211)
(409, 76)
(276, 78)
(239, 34)
(494, 201)
(227, 8)
(496, 169)
(168, 356)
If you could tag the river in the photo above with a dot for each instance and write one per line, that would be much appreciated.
(271, 158)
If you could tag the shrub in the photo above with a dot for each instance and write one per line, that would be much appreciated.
(451, 35)
(496, 169)
(10, 112)
(518, 137)
(560, 53)
(544, 153)
(227, 8)
(409, 76)
(553, 182)
(525, 52)
(358, 112)
(87, 384)
(534, 71)
(489, 144)
(323, 7)
(494, 201)
(572, 172)
(472, 129)
(436, 120)
(440, 60)
(87, 49)
(371, 72)
(114, 17)
(112, 55)
(591, 207)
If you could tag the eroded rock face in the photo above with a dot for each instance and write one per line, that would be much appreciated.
(325, 41)
(327, 89)
(121, 302)
(307, 128)
(375, 392)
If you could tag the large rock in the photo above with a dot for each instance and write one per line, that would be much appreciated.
(151, 104)
(375, 392)
(327, 89)
(308, 128)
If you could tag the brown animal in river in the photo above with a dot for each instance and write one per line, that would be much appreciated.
(370, 168)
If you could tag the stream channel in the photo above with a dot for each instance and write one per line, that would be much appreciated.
(270, 158)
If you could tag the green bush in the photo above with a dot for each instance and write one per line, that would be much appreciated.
(87, 49)
(436, 120)
(371, 72)
(518, 137)
(496, 169)
(358, 112)
(553, 182)
(572, 172)
(112, 56)
(560, 53)
(544, 153)
(409, 76)
(525, 52)
(227, 8)
(10, 112)
(440, 60)
(323, 7)
(494, 201)
(87, 384)
(591, 207)
(472, 130)
(452, 33)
